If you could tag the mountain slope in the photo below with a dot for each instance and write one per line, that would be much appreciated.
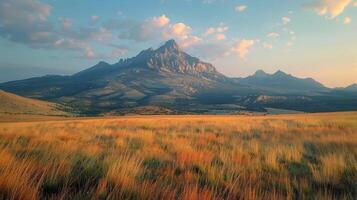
(14, 104)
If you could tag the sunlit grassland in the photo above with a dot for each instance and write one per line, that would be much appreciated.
(312, 156)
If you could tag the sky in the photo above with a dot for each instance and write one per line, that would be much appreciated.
(306, 38)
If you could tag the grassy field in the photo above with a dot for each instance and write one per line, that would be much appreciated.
(307, 156)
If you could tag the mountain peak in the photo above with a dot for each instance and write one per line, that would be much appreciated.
(280, 73)
(170, 45)
(260, 73)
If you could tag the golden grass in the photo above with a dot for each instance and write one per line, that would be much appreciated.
(308, 156)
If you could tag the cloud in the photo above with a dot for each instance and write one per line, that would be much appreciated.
(182, 33)
(220, 36)
(66, 23)
(160, 21)
(242, 47)
(94, 19)
(273, 35)
(77, 45)
(289, 44)
(267, 45)
(26, 21)
(177, 30)
(211, 50)
(347, 20)
(330, 8)
(118, 52)
(240, 8)
(285, 20)
(154, 28)
(189, 41)
(212, 30)
(218, 32)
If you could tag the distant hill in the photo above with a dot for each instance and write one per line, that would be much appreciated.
(352, 88)
(282, 83)
(14, 104)
(168, 80)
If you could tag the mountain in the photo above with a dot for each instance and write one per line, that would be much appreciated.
(282, 83)
(168, 80)
(166, 77)
(14, 104)
(352, 88)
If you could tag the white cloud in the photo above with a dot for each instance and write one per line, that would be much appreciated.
(273, 35)
(242, 47)
(330, 8)
(285, 20)
(347, 20)
(240, 8)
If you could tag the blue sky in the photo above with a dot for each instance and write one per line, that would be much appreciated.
(307, 38)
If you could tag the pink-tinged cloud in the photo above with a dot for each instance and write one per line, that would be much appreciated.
(94, 19)
(267, 45)
(330, 8)
(160, 21)
(242, 47)
(179, 30)
(273, 35)
(285, 20)
(347, 20)
(240, 8)
(213, 30)
(220, 36)
(189, 41)
(66, 23)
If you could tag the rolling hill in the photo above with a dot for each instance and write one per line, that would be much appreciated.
(14, 104)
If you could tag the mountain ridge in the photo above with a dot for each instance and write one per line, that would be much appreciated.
(167, 77)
